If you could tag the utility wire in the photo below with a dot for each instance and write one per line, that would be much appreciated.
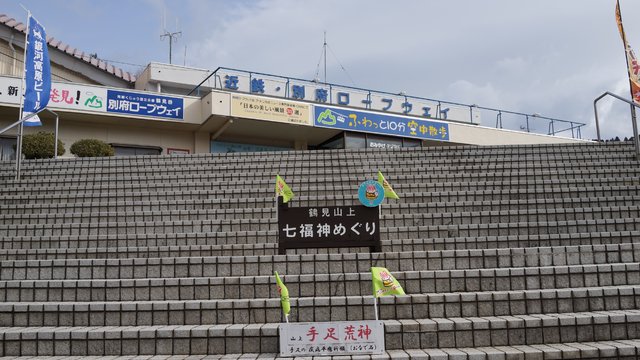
(342, 67)
(122, 62)
(318, 67)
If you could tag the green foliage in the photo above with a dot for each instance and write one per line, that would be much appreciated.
(40, 145)
(91, 148)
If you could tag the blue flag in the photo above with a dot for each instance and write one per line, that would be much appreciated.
(37, 72)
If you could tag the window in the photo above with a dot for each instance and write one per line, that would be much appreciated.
(6, 148)
(355, 141)
(336, 142)
(133, 150)
(383, 142)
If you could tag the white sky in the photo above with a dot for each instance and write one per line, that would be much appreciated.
(551, 57)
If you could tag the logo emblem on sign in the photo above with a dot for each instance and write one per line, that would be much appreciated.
(371, 193)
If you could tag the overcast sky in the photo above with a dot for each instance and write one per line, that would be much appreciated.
(549, 57)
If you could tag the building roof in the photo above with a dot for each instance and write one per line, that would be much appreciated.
(68, 49)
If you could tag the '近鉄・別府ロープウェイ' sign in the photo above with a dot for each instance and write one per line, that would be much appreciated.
(369, 122)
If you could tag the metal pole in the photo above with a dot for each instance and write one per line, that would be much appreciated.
(595, 111)
(19, 152)
(21, 92)
(325, 57)
(375, 306)
(55, 142)
(636, 141)
(16, 123)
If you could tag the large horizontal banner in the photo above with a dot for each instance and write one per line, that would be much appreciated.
(126, 102)
(261, 108)
(69, 96)
(347, 119)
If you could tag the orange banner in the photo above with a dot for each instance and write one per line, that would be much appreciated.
(632, 61)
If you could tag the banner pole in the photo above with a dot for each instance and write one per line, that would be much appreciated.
(375, 306)
(21, 92)
(55, 141)
(277, 209)
(627, 49)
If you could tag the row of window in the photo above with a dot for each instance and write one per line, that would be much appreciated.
(344, 140)
(350, 140)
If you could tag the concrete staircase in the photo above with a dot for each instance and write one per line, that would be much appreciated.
(519, 252)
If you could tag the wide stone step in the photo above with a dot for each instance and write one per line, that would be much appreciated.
(228, 208)
(330, 198)
(201, 237)
(140, 252)
(319, 264)
(397, 245)
(341, 284)
(274, 162)
(129, 312)
(511, 241)
(248, 216)
(316, 186)
(254, 338)
(301, 169)
(298, 182)
(188, 223)
(50, 216)
(456, 154)
(619, 350)
(338, 158)
(512, 330)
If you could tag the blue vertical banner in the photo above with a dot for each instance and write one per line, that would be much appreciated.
(37, 72)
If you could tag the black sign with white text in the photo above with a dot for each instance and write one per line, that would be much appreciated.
(328, 226)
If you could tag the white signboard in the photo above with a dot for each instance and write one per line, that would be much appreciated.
(365, 337)
(87, 98)
(63, 95)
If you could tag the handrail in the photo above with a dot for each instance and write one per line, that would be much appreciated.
(17, 123)
(202, 82)
(633, 120)
(573, 125)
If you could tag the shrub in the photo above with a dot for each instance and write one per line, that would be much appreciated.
(40, 145)
(91, 148)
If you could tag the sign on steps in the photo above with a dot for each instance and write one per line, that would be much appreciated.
(363, 337)
(328, 226)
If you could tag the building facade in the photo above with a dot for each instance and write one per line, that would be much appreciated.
(169, 109)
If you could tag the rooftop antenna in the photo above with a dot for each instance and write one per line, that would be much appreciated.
(323, 55)
(324, 50)
(173, 36)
